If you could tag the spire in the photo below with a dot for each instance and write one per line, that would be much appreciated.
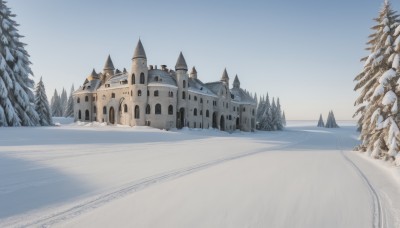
(193, 74)
(93, 75)
(236, 82)
(225, 76)
(181, 63)
(109, 64)
(139, 51)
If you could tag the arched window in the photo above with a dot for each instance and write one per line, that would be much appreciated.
(113, 95)
(79, 100)
(183, 95)
(148, 93)
(171, 94)
(87, 115)
(195, 112)
(125, 108)
(80, 114)
(158, 109)
(86, 98)
(244, 109)
(184, 84)
(139, 93)
(253, 112)
(234, 108)
(105, 110)
(148, 109)
(133, 79)
(201, 100)
(195, 98)
(94, 109)
(170, 110)
(156, 93)
(201, 112)
(137, 112)
(142, 78)
(207, 113)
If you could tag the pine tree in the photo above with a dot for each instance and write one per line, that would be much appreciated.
(42, 105)
(56, 110)
(321, 122)
(284, 119)
(16, 86)
(63, 101)
(378, 81)
(278, 114)
(274, 119)
(69, 111)
(331, 121)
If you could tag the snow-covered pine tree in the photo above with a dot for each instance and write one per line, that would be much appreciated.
(284, 119)
(274, 119)
(69, 111)
(278, 114)
(321, 122)
(16, 85)
(56, 110)
(63, 101)
(331, 121)
(377, 84)
(42, 105)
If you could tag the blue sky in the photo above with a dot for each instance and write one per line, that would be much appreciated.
(305, 52)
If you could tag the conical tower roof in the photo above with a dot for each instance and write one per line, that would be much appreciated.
(139, 51)
(109, 64)
(236, 82)
(225, 76)
(93, 75)
(181, 63)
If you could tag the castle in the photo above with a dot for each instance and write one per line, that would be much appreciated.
(163, 98)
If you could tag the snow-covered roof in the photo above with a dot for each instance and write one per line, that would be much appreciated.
(215, 87)
(197, 86)
(161, 77)
(241, 97)
(89, 86)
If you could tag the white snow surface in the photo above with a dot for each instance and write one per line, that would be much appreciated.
(77, 175)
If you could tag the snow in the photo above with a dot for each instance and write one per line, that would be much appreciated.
(388, 75)
(102, 176)
(389, 98)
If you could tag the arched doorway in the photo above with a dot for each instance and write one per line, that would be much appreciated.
(180, 118)
(214, 120)
(237, 123)
(222, 123)
(111, 114)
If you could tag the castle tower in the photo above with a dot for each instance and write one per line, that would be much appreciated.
(138, 79)
(193, 74)
(108, 70)
(182, 82)
(236, 83)
(225, 77)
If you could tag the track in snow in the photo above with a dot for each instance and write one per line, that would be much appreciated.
(378, 213)
(144, 183)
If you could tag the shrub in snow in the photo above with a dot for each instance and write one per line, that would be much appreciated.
(16, 95)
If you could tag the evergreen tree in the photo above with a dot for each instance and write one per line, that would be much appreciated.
(42, 105)
(274, 119)
(16, 86)
(278, 114)
(331, 121)
(63, 101)
(56, 109)
(284, 119)
(321, 122)
(69, 111)
(377, 84)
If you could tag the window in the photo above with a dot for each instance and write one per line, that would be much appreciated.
(133, 79)
(148, 93)
(183, 95)
(253, 112)
(137, 112)
(194, 124)
(201, 100)
(201, 112)
(79, 100)
(171, 94)
(139, 93)
(184, 84)
(105, 110)
(113, 95)
(156, 93)
(207, 113)
(87, 115)
(148, 109)
(244, 109)
(189, 97)
(131, 93)
(227, 105)
(156, 79)
(158, 109)
(94, 109)
(125, 108)
(86, 98)
(80, 114)
(170, 110)
(195, 98)
(195, 112)
(234, 108)
(142, 78)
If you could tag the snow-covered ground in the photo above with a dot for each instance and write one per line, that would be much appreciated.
(98, 176)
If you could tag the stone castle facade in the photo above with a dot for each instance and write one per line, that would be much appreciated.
(163, 98)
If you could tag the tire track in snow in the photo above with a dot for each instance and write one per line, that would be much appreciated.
(141, 184)
(378, 212)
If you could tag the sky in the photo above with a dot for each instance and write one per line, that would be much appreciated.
(306, 52)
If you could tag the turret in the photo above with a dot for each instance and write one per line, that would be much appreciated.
(93, 76)
(182, 79)
(225, 77)
(193, 74)
(108, 70)
(137, 80)
(236, 82)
